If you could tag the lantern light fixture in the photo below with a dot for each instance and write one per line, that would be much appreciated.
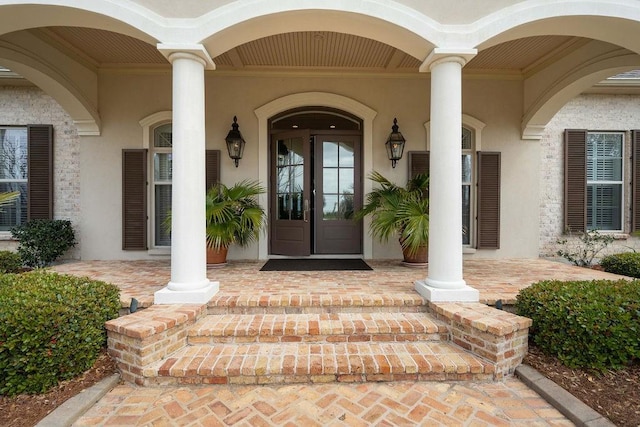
(235, 142)
(395, 144)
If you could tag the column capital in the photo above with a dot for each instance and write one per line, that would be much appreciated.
(440, 54)
(198, 52)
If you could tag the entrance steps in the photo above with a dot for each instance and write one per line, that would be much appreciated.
(281, 339)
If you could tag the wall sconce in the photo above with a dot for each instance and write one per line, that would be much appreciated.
(395, 144)
(235, 142)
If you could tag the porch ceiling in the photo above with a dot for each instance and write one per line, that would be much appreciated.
(317, 50)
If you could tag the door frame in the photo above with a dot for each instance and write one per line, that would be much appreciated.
(313, 174)
(331, 100)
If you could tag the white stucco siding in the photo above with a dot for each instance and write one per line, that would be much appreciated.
(24, 105)
(596, 112)
(127, 98)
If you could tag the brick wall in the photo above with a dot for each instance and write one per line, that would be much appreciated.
(596, 112)
(23, 105)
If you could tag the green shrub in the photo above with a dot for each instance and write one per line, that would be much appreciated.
(51, 328)
(627, 264)
(591, 324)
(42, 241)
(10, 262)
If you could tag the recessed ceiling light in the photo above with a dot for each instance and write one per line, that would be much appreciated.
(295, 126)
(332, 126)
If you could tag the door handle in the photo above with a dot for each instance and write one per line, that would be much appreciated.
(305, 212)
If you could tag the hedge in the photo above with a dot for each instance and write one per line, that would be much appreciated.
(589, 324)
(627, 264)
(51, 328)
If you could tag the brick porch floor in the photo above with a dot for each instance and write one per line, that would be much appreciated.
(495, 279)
(508, 402)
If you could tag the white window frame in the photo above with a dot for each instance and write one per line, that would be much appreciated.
(471, 152)
(620, 182)
(155, 183)
(149, 124)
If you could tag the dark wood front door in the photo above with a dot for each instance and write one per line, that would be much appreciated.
(316, 186)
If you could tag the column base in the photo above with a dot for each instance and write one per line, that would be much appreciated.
(459, 294)
(196, 296)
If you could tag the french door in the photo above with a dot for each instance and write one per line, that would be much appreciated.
(316, 186)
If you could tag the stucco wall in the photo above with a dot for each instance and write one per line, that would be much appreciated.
(596, 112)
(127, 98)
(23, 105)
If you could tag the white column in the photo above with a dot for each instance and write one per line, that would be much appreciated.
(445, 281)
(189, 283)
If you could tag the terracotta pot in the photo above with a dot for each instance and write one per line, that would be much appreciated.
(417, 259)
(217, 257)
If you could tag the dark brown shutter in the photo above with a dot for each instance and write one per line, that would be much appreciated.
(134, 200)
(575, 180)
(40, 172)
(212, 167)
(418, 163)
(635, 180)
(488, 200)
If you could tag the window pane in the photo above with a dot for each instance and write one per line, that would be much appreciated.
(162, 136)
(14, 213)
(466, 214)
(330, 154)
(330, 209)
(13, 153)
(604, 203)
(346, 154)
(162, 208)
(604, 156)
(466, 139)
(330, 180)
(162, 166)
(346, 181)
(466, 168)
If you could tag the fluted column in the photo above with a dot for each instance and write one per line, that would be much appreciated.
(189, 283)
(445, 278)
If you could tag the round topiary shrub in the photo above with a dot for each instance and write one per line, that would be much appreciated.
(51, 328)
(592, 324)
(627, 264)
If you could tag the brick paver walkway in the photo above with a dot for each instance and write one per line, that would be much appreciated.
(401, 403)
(508, 403)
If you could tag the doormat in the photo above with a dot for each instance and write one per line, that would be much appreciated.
(306, 264)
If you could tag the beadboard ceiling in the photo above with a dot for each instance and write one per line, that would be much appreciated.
(317, 50)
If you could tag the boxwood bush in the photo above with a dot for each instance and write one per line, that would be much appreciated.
(627, 264)
(10, 262)
(590, 324)
(51, 328)
(42, 241)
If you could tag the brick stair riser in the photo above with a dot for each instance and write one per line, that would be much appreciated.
(197, 340)
(273, 364)
(216, 310)
(317, 328)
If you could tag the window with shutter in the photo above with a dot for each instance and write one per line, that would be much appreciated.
(594, 191)
(161, 183)
(26, 167)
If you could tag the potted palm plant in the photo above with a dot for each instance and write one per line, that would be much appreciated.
(400, 211)
(233, 215)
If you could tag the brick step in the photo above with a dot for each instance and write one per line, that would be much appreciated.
(325, 327)
(278, 363)
(316, 302)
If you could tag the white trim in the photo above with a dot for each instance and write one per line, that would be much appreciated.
(151, 121)
(322, 99)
